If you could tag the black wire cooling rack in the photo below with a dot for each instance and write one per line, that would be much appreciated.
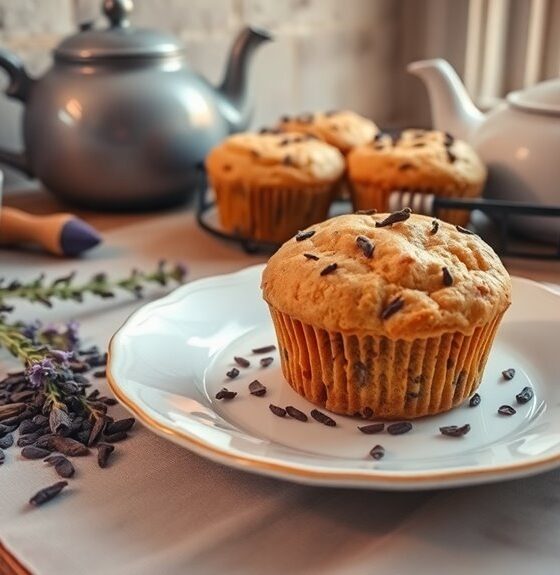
(496, 229)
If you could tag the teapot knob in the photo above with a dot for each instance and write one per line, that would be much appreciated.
(117, 11)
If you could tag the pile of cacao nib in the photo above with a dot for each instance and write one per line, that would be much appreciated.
(81, 426)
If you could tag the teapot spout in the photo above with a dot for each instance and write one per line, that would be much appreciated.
(233, 89)
(452, 109)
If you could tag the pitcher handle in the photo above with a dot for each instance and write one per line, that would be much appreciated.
(18, 88)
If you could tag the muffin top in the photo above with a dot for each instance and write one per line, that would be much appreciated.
(275, 159)
(418, 159)
(342, 129)
(415, 278)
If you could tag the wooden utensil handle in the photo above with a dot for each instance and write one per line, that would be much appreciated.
(18, 227)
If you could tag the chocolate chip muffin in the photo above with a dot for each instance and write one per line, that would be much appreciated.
(270, 185)
(419, 161)
(343, 129)
(386, 315)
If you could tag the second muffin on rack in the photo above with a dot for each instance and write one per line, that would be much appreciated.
(269, 185)
(417, 160)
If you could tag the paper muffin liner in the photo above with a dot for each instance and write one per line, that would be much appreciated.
(368, 196)
(376, 377)
(271, 214)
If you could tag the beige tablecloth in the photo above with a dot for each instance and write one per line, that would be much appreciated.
(162, 510)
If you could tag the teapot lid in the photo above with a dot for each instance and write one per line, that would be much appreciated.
(119, 40)
(544, 98)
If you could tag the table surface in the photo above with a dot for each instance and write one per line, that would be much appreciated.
(160, 509)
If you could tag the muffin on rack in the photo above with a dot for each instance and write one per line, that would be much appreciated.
(342, 129)
(385, 315)
(270, 185)
(418, 161)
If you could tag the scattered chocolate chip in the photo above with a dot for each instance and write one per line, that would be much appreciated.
(67, 446)
(287, 160)
(525, 395)
(304, 235)
(266, 361)
(475, 400)
(451, 157)
(279, 411)
(393, 307)
(255, 154)
(120, 425)
(447, 277)
(6, 441)
(329, 269)
(418, 145)
(40, 420)
(508, 373)
(377, 452)
(32, 452)
(366, 246)
(395, 217)
(323, 418)
(225, 394)
(311, 257)
(406, 166)
(120, 435)
(241, 361)
(62, 466)
(465, 230)
(448, 139)
(104, 450)
(233, 373)
(100, 374)
(372, 428)
(28, 426)
(296, 413)
(257, 388)
(506, 410)
(29, 439)
(59, 421)
(454, 430)
(47, 493)
(266, 349)
(399, 428)
(371, 212)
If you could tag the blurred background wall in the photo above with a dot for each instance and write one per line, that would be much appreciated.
(328, 54)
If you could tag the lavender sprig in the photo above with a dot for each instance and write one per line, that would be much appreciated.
(100, 285)
(49, 401)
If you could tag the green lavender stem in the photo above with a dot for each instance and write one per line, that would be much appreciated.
(18, 345)
(100, 285)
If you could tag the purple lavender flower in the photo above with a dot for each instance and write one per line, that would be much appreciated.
(30, 330)
(61, 356)
(72, 333)
(40, 372)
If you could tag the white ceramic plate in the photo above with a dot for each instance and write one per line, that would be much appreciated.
(170, 358)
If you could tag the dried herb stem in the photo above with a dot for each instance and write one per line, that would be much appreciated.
(100, 285)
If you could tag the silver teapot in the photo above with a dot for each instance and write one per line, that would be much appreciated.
(120, 121)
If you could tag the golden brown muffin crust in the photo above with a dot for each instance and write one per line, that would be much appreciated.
(418, 159)
(275, 160)
(407, 265)
(342, 129)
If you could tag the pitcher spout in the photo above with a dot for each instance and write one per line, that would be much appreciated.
(452, 109)
(233, 89)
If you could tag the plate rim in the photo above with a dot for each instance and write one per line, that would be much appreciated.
(366, 478)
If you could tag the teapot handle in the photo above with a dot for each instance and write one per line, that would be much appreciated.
(18, 88)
